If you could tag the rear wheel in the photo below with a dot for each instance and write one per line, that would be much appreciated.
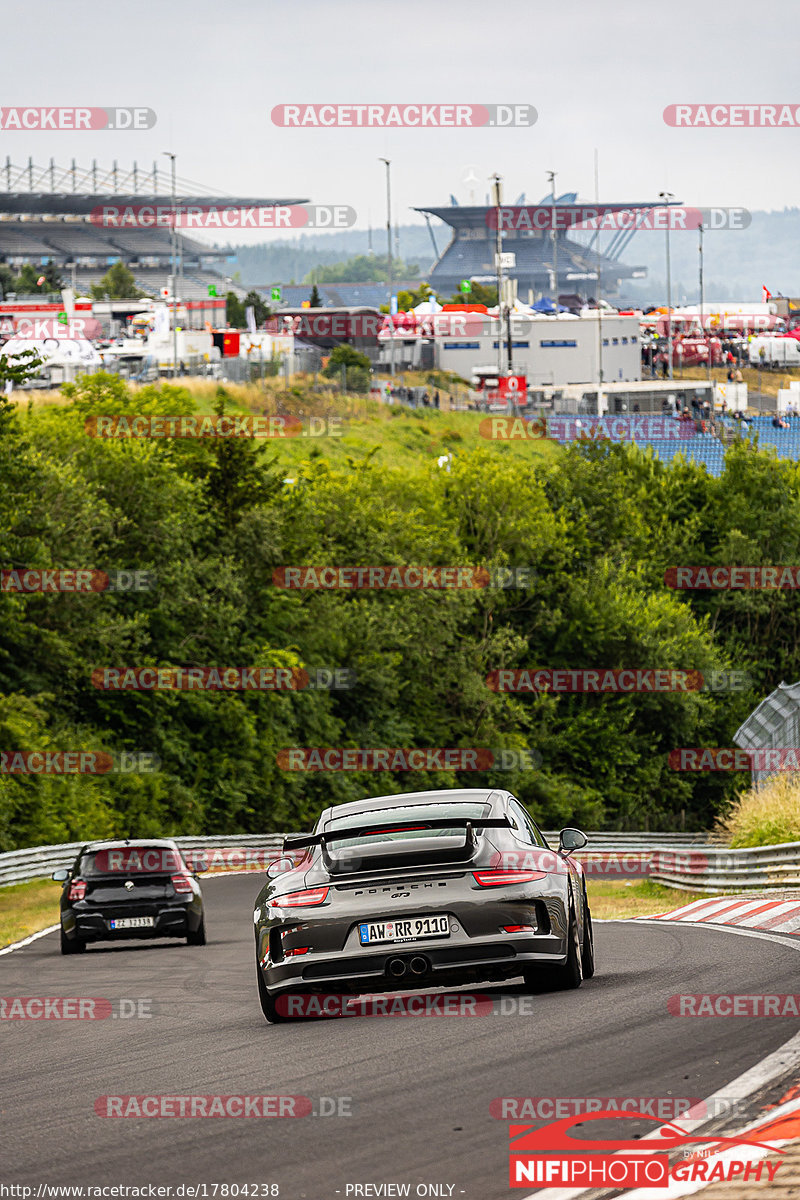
(269, 1003)
(71, 945)
(587, 949)
(564, 977)
(198, 936)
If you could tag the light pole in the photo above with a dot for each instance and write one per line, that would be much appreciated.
(666, 197)
(498, 254)
(551, 175)
(388, 163)
(174, 249)
(702, 325)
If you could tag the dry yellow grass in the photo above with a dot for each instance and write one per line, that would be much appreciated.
(765, 816)
(25, 908)
(618, 899)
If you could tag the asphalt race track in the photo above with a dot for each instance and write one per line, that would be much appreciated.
(420, 1089)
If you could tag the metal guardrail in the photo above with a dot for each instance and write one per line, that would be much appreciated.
(19, 866)
(38, 862)
(718, 869)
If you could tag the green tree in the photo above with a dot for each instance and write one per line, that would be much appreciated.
(7, 280)
(363, 268)
(118, 283)
(52, 277)
(409, 300)
(314, 299)
(480, 294)
(234, 311)
(27, 282)
(261, 310)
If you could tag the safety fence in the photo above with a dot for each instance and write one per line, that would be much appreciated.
(717, 869)
(612, 855)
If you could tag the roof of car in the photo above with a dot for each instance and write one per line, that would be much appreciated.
(403, 799)
(137, 843)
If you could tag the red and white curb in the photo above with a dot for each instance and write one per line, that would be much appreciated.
(778, 1127)
(772, 916)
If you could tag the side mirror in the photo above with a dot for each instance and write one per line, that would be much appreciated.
(60, 876)
(571, 839)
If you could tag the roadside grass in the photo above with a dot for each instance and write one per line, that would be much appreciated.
(617, 899)
(25, 908)
(347, 431)
(766, 816)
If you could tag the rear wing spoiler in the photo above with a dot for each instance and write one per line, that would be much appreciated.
(467, 823)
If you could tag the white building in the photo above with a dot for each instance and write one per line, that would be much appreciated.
(551, 351)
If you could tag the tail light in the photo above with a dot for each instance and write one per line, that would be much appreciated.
(518, 929)
(77, 889)
(300, 899)
(182, 883)
(297, 950)
(496, 878)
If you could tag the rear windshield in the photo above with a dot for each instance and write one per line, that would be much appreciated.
(383, 822)
(131, 860)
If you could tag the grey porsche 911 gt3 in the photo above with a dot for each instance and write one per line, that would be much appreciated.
(420, 890)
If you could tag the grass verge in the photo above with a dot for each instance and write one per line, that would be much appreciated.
(25, 908)
(612, 900)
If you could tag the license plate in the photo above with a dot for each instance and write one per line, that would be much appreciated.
(407, 929)
(132, 923)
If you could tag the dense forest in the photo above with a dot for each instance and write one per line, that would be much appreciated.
(596, 527)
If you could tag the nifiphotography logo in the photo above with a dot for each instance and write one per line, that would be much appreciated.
(548, 1157)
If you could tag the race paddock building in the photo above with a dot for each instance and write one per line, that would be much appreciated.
(49, 214)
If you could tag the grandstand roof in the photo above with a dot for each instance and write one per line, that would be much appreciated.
(82, 204)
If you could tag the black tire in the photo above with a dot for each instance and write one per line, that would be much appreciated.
(587, 949)
(71, 945)
(565, 977)
(198, 936)
(268, 1002)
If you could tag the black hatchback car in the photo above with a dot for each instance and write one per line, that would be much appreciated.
(119, 890)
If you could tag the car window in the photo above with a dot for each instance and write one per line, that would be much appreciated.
(520, 819)
(535, 834)
(131, 860)
(385, 822)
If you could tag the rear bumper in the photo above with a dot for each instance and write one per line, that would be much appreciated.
(474, 961)
(175, 921)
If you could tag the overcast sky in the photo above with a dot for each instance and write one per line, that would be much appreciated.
(599, 75)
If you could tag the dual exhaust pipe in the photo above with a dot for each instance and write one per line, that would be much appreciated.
(398, 967)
